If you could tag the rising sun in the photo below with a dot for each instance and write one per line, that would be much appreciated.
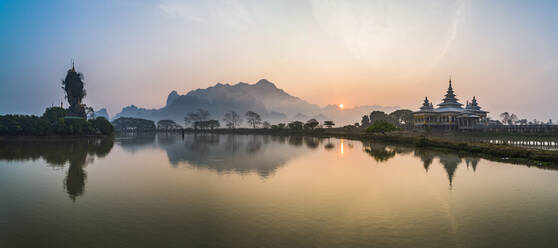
(341, 105)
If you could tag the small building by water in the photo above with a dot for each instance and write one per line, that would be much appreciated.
(450, 114)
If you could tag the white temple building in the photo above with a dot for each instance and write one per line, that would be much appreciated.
(450, 114)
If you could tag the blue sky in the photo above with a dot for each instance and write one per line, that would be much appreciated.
(327, 52)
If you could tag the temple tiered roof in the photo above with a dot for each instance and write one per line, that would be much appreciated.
(450, 102)
(474, 107)
(426, 105)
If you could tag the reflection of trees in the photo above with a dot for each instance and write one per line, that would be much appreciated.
(295, 140)
(133, 142)
(379, 152)
(233, 153)
(232, 144)
(75, 152)
(202, 142)
(312, 142)
(167, 138)
(254, 144)
(329, 145)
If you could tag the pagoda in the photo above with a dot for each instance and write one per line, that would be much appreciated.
(450, 101)
(450, 114)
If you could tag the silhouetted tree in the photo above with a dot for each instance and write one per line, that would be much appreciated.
(167, 125)
(296, 125)
(329, 124)
(232, 120)
(133, 124)
(212, 124)
(253, 119)
(197, 116)
(266, 125)
(508, 118)
(311, 124)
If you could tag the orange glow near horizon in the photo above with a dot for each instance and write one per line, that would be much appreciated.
(341, 106)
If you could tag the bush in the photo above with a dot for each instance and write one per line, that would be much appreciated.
(381, 126)
(102, 125)
(53, 114)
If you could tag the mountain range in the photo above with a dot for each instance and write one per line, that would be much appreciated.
(273, 104)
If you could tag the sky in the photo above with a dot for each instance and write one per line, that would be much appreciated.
(391, 53)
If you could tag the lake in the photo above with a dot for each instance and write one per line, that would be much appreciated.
(147, 190)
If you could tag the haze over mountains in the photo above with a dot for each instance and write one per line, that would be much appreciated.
(273, 104)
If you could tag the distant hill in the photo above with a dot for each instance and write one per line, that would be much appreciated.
(102, 113)
(273, 104)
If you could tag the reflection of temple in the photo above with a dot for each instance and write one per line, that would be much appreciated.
(450, 115)
(75, 152)
(426, 157)
(450, 163)
(473, 162)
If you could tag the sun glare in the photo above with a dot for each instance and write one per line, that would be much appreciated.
(341, 106)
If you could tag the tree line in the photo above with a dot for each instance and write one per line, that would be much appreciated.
(513, 119)
(52, 122)
(200, 120)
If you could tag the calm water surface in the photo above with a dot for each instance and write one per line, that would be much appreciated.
(265, 191)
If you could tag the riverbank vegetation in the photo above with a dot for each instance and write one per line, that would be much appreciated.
(53, 122)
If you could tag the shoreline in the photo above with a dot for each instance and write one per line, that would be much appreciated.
(49, 137)
(499, 152)
(440, 141)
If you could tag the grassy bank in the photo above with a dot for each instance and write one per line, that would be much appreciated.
(494, 151)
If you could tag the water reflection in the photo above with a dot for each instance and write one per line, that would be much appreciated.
(260, 154)
(77, 153)
(426, 156)
(134, 142)
(265, 154)
(227, 153)
(450, 161)
(299, 193)
(472, 162)
(379, 152)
